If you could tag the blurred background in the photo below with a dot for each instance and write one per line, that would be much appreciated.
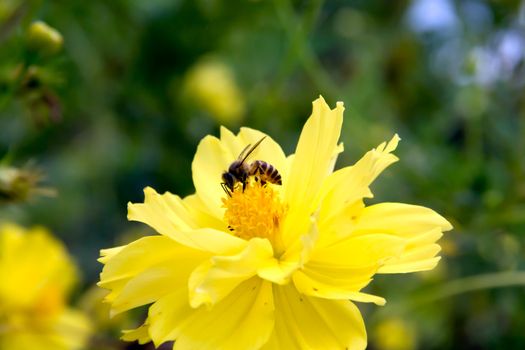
(102, 98)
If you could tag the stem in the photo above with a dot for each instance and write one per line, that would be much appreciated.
(297, 33)
(461, 286)
(8, 26)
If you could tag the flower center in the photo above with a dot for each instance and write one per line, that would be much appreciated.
(255, 212)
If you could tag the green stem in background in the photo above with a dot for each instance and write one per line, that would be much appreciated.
(9, 25)
(460, 286)
(297, 33)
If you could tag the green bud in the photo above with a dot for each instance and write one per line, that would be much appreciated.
(18, 185)
(44, 39)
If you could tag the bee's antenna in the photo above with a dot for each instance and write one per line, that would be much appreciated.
(251, 149)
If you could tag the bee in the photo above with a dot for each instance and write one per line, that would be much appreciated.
(240, 171)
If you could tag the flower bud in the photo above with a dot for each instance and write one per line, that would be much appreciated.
(211, 85)
(394, 334)
(44, 39)
(20, 184)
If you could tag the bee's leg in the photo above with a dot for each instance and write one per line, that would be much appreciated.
(226, 189)
(243, 185)
(263, 182)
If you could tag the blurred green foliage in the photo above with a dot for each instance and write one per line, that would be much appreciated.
(107, 113)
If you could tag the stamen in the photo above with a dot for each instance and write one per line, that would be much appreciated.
(255, 212)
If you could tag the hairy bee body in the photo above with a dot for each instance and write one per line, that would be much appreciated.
(240, 171)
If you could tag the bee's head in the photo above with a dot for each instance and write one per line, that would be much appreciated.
(228, 180)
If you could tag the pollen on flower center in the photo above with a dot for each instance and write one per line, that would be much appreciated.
(255, 212)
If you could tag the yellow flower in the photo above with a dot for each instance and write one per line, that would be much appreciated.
(394, 334)
(211, 84)
(36, 276)
(271, 267)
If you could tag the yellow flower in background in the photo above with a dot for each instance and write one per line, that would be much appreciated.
(36, 277)
(394, 334)
(269, 266)
(211, 84)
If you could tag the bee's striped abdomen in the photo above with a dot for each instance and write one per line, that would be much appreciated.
(265, 172)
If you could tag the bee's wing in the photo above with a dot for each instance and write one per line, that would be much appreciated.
(248, 150)
(241, 155)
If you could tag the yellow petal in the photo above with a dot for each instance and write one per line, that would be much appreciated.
(108, 253)
(132, 259)
(337, 284)
(73, 329)
(211, 160)
(168, 315)
(360, 251)
(296, 255)
(351, 184)
(168, 215)
(303, 322)
(37, 266)
(342, 269)
(403, 220)
(420, 227)
(242, 320)
(131, 264)
(68, 331)
(214, 156)
(414, 259)
(217, 277)
(337, 227)
(313, 162)
(154, 283)
(139, 334)
(199, 211)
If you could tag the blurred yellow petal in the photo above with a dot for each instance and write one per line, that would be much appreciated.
(33, 302)
(303, 322)
(68, 331)
(32, 262)
(73, 328)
